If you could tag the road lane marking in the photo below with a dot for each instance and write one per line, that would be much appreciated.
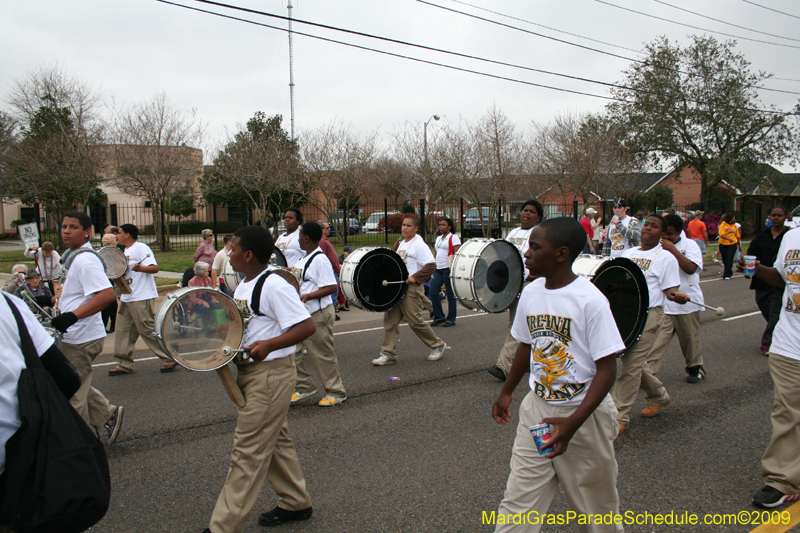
(794, 513)
(335, 334)
(754, 313)
(719, 279)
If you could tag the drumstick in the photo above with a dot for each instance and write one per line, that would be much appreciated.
(719, 310)
(385, 283)
(142, 261)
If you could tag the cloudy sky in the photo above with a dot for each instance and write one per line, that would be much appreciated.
(227, 69)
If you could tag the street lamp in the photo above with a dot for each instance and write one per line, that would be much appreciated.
(425, 138)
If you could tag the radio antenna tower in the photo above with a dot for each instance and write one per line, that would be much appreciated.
(291, 72)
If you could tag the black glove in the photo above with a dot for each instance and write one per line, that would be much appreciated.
(63, 321)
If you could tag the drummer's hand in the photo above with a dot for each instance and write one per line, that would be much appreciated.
(137, 267)
(259, 350)
(668, 245)
(680, 297)
(304, 298)
(411, 280)
(500, 408)
(63, 321)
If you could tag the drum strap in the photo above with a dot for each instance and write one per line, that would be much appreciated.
(255, 303)
(69, 257)
(305, 268)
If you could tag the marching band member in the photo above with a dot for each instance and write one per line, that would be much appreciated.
(532, 213)
(421, 264)
(262, 448)
(137, 310)
(287, 243)
(85, 292)
(661, 271)
(317, 283)
(683, 320)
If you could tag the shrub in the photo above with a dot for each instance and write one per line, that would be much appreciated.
(395, 223)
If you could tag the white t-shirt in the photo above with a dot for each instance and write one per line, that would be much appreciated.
(279, 302)
(690, 283)
(217, 265)
(11, 364)
(86, 276)
(659, 267)
(318, 274)
(442, 247)
(289, 244)
(568, 329)
(520, 238)
(415, 254)
(143, 286)
(619, 242)
(786, 338)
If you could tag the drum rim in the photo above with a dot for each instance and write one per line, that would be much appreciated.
(486, 242)
(641, 282)
(367, 251)
(279, 254)
(109, 251)
(172, 298)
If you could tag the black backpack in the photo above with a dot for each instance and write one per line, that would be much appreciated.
(56, 478)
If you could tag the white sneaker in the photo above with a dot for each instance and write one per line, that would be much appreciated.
(383, 360)
(437, 353)
(297, 396)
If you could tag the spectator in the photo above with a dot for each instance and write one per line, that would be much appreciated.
(589, 225)
(17, 278)
(447, 244)
(36, 291)
(48, 262)
(216, 266)
(205, 250)
(698, 231)
(790, 222)
(728, 243)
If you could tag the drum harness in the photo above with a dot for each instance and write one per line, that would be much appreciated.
(66, 262)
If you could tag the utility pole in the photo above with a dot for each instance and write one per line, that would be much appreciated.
(291, 71)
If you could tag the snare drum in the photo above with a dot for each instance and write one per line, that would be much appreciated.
(487, 274)
(362, 276)
(116, 267)
(625, 286)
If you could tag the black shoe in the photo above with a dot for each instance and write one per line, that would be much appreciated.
(436, 323)
(696, 374)
(771, 497)
(448, 324)
(337, 318)
(114, 425)
(497, 372)
(280, 516)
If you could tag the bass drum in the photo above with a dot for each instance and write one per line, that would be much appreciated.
(487, 274)
(199, 327)
(362, 276)
(625, 286)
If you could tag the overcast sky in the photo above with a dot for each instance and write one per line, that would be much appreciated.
(228, 70)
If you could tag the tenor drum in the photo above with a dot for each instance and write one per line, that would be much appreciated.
(116, 266)
(199, 327)
(624, 285)
(487, 274)
(362, 276)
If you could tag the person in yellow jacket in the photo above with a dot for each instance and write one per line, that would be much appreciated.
(728, 243)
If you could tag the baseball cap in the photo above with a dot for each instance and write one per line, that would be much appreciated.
(621, 203)
(591, 211)
(348, 249)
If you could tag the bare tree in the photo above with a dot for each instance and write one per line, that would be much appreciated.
(428, 172)
(339, 164)
(53, 160)
(154, 154)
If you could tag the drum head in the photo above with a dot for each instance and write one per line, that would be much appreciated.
(115, 261)
(623, 283)
(496, 274)
(195, 325)
(373, 268)
(278, 259)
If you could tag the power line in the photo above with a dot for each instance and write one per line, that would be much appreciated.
(546, 27)
(460, 69)
(696, 27)
(771, 9)
(723, 22)
(633, 60)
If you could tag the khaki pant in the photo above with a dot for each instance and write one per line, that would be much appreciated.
(410, 308)
(322, 355)
(780, 465)
(636, 371)
(89, 402)
(687, 327)
(135, 319)
(506, 357)
(261, 447)
(587, 471)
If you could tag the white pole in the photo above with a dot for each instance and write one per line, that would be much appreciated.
(291, 71)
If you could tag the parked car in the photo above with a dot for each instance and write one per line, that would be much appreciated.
(373, 222)
(473, 226)
(354, 227)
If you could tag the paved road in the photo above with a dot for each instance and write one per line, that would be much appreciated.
(423, 453)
